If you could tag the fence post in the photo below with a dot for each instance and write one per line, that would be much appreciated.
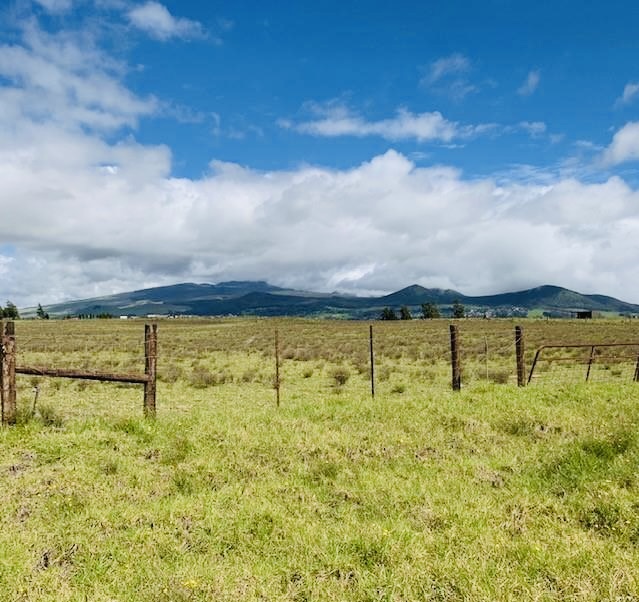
(591, 359)
(277, 368)
(636, 376)
(454, 356)
(372, 361)
(150, 368)
(519, 351)
(8, 373)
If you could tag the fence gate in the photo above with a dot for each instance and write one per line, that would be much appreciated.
(10, 369)
(593, 356)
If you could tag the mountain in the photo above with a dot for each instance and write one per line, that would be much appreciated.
(416, 295)
(263, 299)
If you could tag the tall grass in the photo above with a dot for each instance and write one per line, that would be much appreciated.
(494, 493)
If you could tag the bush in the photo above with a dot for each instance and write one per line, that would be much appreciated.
(499, 376)
(170, 373)
(201, 378)
(340, 376)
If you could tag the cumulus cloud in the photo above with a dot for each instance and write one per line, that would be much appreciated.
(630, 93)
(624, 146)
(156, 20)
(337, 120)
(63, 78)
(82, 229)
(86, 210)
(530, 84)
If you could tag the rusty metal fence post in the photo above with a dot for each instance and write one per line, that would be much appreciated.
(591, 359)
(372, 354)
(519, 351)
(276, 384)
(454, 357)
(8, 372)
(150, 368)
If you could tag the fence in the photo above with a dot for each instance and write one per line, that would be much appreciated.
(382, 356)
(8, 387)
(594, 356)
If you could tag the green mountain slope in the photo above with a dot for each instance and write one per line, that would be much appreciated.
(263, 299)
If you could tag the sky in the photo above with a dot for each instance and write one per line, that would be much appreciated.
(351, 146)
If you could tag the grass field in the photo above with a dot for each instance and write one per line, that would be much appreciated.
(492, 493)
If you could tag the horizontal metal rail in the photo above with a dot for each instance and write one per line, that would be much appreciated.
(590, 360)
(84, 375)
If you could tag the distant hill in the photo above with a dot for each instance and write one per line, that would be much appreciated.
(263, 299)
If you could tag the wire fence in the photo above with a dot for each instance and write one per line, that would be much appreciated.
(213, 352)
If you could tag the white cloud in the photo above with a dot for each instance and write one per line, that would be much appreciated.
(534, 128)
(155, 19)
(530, 85)
(56, 6)
(446, 75)
(445, 66)
(86, 210)
(63, 78)
(84, 230)
(336, 120)
(624, 146)
(630, 93)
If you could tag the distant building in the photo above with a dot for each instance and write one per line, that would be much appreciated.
(584, 314)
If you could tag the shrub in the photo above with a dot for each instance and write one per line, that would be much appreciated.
(499, 376)
(340, 376)
(170, 373)
(201, 377)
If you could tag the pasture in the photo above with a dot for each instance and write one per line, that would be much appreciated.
(491, 493)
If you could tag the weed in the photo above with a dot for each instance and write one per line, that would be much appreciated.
(201, 377)
(110, 467)
(339, 376)
(183, 481)
(177, 451)
(170, 373)
(499, 376)
(249, 375)
(50, 416)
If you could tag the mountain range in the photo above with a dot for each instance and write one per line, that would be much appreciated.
(259, 298)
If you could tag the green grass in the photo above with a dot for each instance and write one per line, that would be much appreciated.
(493, 493)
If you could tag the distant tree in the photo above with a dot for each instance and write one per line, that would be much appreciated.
(42, 315)
(11, 311)
(430, 311)
(459, 311)
(404, 313)
(388, 313)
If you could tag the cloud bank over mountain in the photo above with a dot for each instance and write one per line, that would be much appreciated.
(89, 209)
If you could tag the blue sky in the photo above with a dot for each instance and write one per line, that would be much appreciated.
(352, 146)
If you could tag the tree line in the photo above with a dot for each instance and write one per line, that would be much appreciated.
(429, 311)
(10, 311)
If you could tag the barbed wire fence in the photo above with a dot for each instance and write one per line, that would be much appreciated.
(376, 359)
